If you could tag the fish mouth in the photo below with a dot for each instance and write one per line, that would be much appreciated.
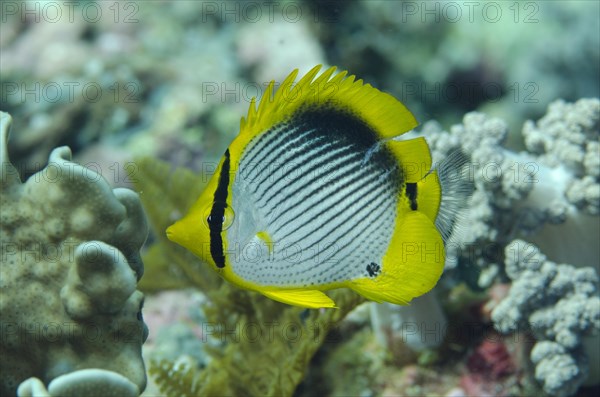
(171, 233)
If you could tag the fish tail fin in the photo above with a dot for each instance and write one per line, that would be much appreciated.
(411, 266)
(457, 186)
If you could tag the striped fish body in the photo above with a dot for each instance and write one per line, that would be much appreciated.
(314, 194)
(322, 193)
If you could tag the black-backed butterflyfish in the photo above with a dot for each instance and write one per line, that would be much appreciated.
(315, 193)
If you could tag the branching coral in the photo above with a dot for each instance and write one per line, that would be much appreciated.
(560, 304)
(567, 142)
(568, 135)
(70, 264)
(500, 182)
(547, 195)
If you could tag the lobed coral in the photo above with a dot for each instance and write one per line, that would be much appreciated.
(70, 266)
(84, 382)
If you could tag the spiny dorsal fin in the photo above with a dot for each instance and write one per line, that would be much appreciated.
(387, 116)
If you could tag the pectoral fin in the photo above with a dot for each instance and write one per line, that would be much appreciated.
(266, 238)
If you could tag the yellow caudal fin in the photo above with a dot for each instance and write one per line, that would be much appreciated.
(311, 299)
(412, 265)
(430, 195)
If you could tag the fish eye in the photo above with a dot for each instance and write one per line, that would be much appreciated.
(226, 221)
(228, 218)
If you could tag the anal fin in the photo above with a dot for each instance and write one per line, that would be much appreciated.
(311, 299)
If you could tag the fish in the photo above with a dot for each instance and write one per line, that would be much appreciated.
(317, 192)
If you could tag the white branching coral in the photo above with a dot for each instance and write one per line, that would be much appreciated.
(568, 135)
(560, 305)
(567, 190)
(501, 180)
(549, 194)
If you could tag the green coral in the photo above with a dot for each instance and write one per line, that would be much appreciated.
(266, 345)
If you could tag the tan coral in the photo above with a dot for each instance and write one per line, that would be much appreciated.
(70, 266)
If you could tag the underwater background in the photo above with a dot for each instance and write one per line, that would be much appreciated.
(147, 96)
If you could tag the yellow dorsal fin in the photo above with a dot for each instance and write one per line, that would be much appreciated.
(267, 99)
(387, 116)
(251, 114)
(415, 157)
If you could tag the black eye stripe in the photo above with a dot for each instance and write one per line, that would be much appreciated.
(217, 214)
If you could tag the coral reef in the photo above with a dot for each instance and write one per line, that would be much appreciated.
(531, 195)
(568, 135)
(566, 195)
(267, 48)
(125, 84)
(168, 81)
(473, 249)
(548, 195)
(266, 347)
(560, 304)
(70, 265)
